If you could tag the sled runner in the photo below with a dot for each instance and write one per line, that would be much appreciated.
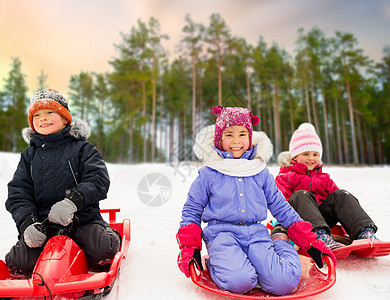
(62, 269)
(313, 282)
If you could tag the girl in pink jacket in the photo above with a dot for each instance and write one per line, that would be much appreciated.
(314, 195)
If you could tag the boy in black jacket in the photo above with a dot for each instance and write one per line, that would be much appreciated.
(60, 175)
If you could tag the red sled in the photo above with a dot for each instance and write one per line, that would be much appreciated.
(62, 270)
(313, 282)
(362, 248)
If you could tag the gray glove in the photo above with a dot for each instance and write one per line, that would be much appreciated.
(62, 212)
(33, 237)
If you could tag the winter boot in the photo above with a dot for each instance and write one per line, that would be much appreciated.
(279, 233)
(323, 235)
(206, 262)
(367, 233)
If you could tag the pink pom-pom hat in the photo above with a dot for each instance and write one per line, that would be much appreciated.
(232, 116)
(305, 139)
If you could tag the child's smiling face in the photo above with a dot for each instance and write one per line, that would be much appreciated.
(235, 139)
(309, 158)
(47, 121)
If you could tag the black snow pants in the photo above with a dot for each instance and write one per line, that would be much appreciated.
(340, 206)
(99, 243)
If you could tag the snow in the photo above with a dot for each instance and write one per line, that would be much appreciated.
(150, 270)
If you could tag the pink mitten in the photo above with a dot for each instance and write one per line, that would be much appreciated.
(189, 238)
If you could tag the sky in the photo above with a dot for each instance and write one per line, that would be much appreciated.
(64, 37)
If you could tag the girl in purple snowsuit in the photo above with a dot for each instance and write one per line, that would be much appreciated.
(232, 193)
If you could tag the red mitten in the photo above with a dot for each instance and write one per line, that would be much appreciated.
(318, 247)
(189, 238)
(186, 256)
(301, 235)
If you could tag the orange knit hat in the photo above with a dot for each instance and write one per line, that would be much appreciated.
(48, 99)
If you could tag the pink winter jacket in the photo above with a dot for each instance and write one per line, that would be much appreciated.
(297, 177)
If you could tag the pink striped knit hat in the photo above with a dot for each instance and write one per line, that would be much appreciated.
(305, 139)
(232, 116)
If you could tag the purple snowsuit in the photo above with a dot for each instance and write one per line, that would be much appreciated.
(241, 252)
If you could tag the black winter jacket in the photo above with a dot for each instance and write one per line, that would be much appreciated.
(52, 164)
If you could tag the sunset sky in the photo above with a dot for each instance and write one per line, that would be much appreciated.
(64, 37)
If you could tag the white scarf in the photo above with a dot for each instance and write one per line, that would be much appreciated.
(203, 149)
(237, 167)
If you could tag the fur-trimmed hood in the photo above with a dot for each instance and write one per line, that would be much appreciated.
(284, 159)
(78, 129)
(204, 143)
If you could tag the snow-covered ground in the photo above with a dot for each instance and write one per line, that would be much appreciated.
(150, 271)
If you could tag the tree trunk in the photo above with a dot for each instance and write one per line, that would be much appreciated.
(306, 98)
(269, 109)
(193, 103)
(166, 137)
(345, 139)
(161, 127)
(380, 148)
(360, 138)
(263, 111)
(100, 140)
(144, 132)
(154, 110)
(277, 120)
(171, 137)
(248, 89)
(219, 75)
(131, 121)
(258, 112)
(5, 130)
(183, 144)
(200, 108)
(352, 122)
(339, 149)
(370, 149)
(313, 103)
(325, 124)
(332, 135)
(291, 112)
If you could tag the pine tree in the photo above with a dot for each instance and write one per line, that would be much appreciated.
(218, 36)
(14, 103)
(192, 42)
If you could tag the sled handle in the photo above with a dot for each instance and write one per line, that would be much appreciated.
(193, 272)
(331, 268)
(111, 213)
(52, 229)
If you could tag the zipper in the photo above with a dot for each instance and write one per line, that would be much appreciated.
(71, 169)
(308, 174)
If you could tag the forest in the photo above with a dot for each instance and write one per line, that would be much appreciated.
(150, 107)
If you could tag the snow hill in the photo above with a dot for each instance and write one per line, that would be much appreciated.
(152, 196)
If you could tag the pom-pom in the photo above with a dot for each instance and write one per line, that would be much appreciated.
(216, 109)
(255, 120)
(306, 126)
(54, 91)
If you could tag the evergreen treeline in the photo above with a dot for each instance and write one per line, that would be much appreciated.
(148, 108)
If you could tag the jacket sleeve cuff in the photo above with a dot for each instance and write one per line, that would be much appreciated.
(76, 197)
(27, 222)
